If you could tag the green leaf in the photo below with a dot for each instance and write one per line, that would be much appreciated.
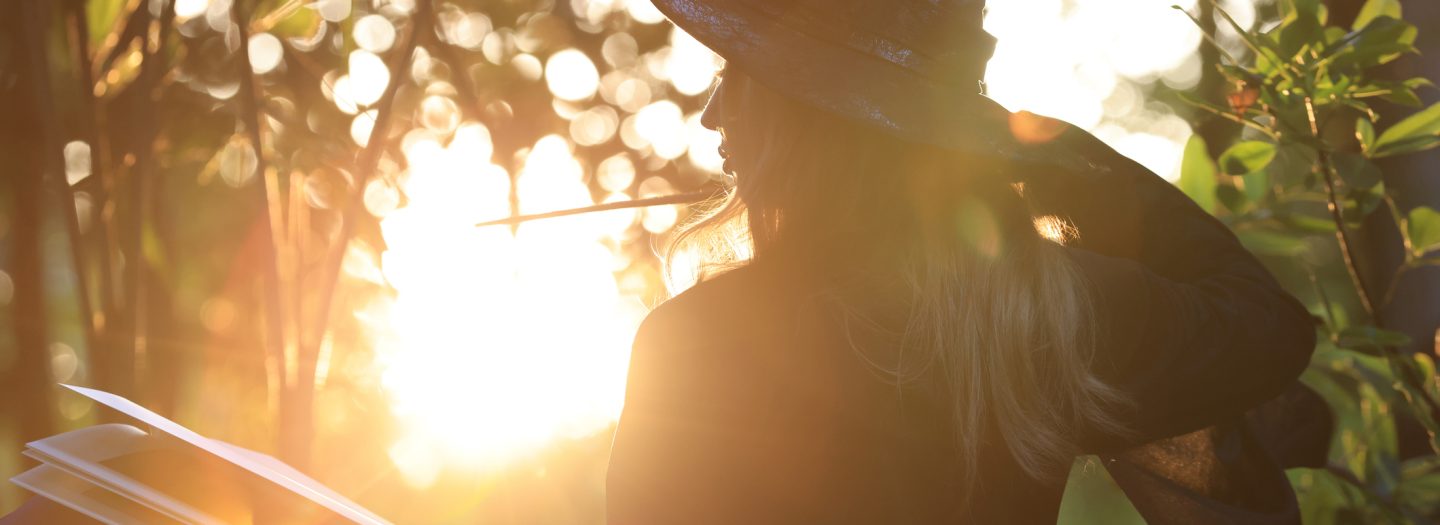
(1257, 185)
(1262, 47)
(1197, 174)
(1418, 82)
(1311, 8)
(1419, 467)
(1233, 199)
(1382, 40)
(1328, 89)
(1365, 133)
(1306, 223)
(104, 17)
(1423, 124)
(1426, 368)
(1359, 388)
(1319, 495)
(1268, 242)
(1420, 493)
(1406, 147)
(1355, 385)
(1374, 9)
(1360, 202)
(1293, 164)
(1403, 96)
(302, 23)
(1334, 34)
(1397, 92)
(1299, 30)
(1423, 226)
(1091, 496)
(1247, 157)
(1356, 170)
(1368, 337)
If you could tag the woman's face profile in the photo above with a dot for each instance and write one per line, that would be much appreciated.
(715, 116)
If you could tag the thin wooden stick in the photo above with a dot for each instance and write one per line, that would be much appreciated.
(1425, 407)
(681, 198)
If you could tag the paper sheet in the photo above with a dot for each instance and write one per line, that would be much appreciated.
(86, 498)
(287, 477)
(82, 453)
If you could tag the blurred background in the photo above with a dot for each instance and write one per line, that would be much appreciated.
(257, 217)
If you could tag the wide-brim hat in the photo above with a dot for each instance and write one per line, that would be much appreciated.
(913, 68)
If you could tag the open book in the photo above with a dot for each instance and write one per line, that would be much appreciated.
(166, 473)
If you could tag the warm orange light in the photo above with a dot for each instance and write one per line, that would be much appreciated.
(499, 343)
(1029, 128)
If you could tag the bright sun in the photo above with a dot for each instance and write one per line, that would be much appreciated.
(500, 343)
(497, 342)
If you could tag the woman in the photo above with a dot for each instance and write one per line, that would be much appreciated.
(909, 341)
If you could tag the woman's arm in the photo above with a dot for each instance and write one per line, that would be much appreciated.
(1193, 327)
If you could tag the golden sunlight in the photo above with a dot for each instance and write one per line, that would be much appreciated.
(1098, 83)
(499, 342)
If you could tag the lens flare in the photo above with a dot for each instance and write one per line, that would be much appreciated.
(499, 342)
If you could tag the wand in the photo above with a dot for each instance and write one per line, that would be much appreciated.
(680, 198)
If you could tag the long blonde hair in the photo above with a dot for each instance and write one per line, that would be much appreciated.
(992, 307)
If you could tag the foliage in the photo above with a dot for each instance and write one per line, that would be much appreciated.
(222, 207)
(1303, 170)
(229, 211)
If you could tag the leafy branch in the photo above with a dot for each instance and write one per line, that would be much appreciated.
(1303, 83)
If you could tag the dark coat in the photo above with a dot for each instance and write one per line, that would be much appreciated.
(746, 403)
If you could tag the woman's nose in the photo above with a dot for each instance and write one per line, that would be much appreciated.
(711, 117)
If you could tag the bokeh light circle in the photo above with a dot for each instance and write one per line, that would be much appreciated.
(571, 75)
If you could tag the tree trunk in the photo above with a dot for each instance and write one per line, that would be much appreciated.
(24, 365)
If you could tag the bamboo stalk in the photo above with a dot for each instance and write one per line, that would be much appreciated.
(131, 362)
(91, 131)
(128, 26)
(53, 178)
(27, 380)
(278, 341)
(266, 192)
(365, 166)
(354, 209)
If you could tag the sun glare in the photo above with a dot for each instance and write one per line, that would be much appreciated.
(1095, 79)
(500, 341)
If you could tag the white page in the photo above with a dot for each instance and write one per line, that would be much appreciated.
(279, 466)
(80, 453)
(290, 479)
(70, 491)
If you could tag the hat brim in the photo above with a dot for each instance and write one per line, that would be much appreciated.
(870, 89)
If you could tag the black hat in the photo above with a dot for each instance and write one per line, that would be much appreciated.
(911, 67)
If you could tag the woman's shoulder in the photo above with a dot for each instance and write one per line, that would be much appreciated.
(708, 305)
(697, 343)
(739, 302)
